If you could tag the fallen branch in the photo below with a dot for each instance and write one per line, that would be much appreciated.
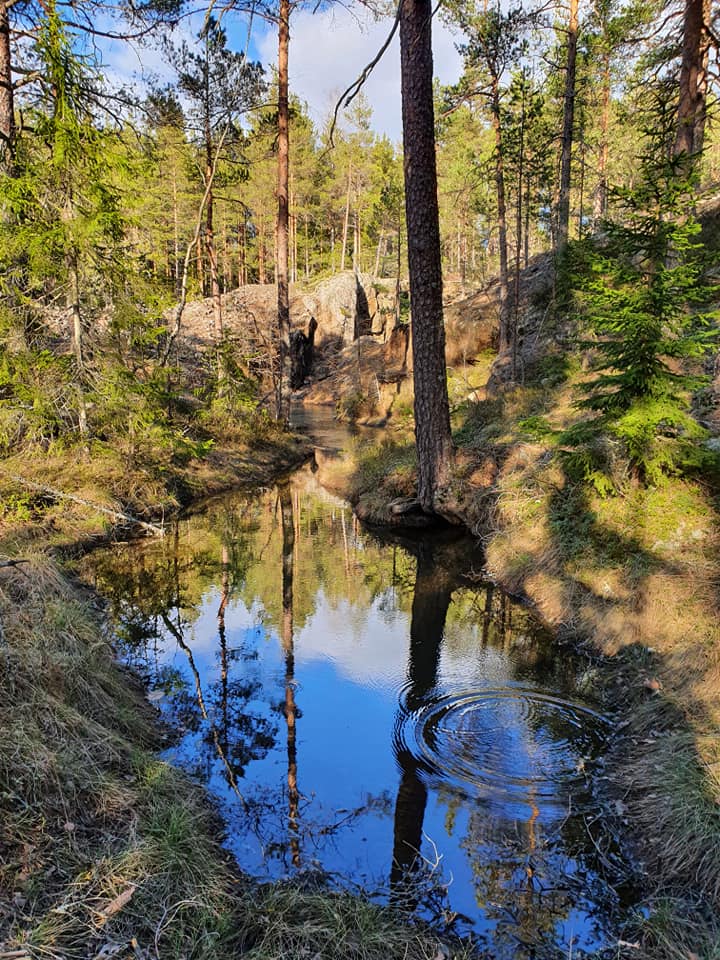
(11, 563)
(61, 495)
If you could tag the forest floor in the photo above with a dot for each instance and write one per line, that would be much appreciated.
(633, 577)
(105, 850)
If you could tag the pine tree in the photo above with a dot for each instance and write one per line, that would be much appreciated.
(644, 294)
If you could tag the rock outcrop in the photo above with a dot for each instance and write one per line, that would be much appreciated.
(345, 306)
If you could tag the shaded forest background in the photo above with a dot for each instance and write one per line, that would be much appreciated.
(118, 209)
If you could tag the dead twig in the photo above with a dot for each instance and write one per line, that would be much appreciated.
(115, 514)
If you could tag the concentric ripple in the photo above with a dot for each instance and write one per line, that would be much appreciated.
(513, 743)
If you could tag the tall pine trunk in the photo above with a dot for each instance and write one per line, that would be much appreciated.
(692, 106)
(209, 209)
(601, 193)
(7, 100)
(563, 217)
(346, 221)
(78, 337)
(432, 411)
(212, 258)
(282, 243)
(505, 340)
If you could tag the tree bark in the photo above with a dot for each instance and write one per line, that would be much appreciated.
(692, 107)
(212, 255)
(518, 235)
(432, 409)
(505, 340)
(262, 251)
(7, 99)
(281, 255)
(563, 218)
(601, 193)
(209, 203)
(381, 241)
(346, 221)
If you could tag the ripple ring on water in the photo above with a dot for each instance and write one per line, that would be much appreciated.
(514, 743)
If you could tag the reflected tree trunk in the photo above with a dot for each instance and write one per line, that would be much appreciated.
(433, 591)
(177, 633)
(487, 614)
(224, 597)
(288, 554)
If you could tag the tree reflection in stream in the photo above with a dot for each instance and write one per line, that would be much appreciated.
(288, 550)
(441, 739)
(431, 599)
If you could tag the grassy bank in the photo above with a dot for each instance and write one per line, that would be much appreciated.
(108, 482)
(636, 578)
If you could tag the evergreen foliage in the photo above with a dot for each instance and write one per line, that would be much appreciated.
(642, 288)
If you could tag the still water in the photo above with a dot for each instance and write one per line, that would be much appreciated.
(368, 707)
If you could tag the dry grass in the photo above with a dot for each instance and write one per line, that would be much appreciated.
(637, 576)
(146, 490)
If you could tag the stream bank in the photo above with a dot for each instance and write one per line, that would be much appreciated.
(364, 708)
(105, 850)
(634, 579)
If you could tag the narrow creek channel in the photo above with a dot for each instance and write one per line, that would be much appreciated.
(367, 706)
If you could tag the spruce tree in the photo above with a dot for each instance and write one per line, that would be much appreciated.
(644, 293)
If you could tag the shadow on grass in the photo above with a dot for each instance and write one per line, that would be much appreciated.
(656, 622)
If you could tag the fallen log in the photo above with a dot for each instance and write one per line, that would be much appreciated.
(12, 563)
(62, 495)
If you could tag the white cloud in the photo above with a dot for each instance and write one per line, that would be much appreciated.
(329, 49)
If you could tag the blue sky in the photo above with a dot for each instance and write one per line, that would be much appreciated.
(328, 50)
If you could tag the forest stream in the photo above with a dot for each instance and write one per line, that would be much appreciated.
(365, 708)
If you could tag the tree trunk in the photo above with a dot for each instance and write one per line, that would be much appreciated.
(563, 218)
(505, 340)
(518, 235)
(262, 252)
(176, 235)
(307, 250)
(381, 241)
(7, 100)
(692, 108)
(199, 267)
(346, 221)
(281, 255)
(356, 241)
(212, 261)
(77, 338)
(242, 265)
(526, 237)
(601, 193)
(432, 409)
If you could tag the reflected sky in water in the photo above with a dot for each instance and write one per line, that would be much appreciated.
(369, 707)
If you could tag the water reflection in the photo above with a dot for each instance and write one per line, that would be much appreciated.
(288, 548)
(365, 706)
